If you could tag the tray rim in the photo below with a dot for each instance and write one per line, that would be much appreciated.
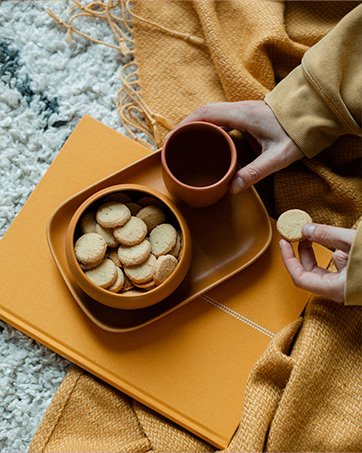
(96, 321)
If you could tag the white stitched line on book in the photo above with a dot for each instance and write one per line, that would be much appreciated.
(238, 316)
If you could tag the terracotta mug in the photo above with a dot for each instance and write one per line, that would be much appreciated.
(198, 162)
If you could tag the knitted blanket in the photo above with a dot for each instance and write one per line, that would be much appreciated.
(303, 394)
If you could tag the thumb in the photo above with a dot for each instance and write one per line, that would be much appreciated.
(247, 176)
(330, 236)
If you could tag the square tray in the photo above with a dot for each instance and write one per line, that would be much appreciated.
(227, 237)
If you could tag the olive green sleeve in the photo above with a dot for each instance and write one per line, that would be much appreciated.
(321, 99)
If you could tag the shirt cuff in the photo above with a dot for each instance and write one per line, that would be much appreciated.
(303, 114)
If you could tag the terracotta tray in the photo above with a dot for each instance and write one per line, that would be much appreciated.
(227, 237)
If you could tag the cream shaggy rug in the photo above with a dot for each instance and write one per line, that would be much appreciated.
(46, 86)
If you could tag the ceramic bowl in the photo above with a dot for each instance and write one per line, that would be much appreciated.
(129, 299)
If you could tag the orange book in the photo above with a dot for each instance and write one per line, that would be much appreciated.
(190, 358)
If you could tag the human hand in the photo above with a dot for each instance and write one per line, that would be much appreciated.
(257, 119)
(306, 273)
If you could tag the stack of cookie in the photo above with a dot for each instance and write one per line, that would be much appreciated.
(125, 244)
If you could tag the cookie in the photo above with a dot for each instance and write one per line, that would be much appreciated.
(163, 268)
(118, 196)
(103, 275)
(134, 208)
(152, 216)
(149, 200)
(290, 223)
(107, 235)
(177, 249)
(88, 222)
(127, 285)
(118, 284)
(113, 256)
(162, 239)
(86, 267)
(132, 233)
(112, 214)
(141, 273)
(136, 254)
(90, 248)
(148, 285)
(132, 292)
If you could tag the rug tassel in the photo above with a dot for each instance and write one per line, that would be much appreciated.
(135, 114)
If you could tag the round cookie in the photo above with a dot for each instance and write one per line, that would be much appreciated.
(113, 256)
(149, 200)
(118, 284)
(163, 268)
(88, 222)
(103, 275)
(112, 214)
(86, 267)
(118, 196)
(136, 254)
(134, 208)
(152, 216)
(141, 273)
(177, 249)
(127, 285)
(148, 285)
(90, 248)
(162, 239)
(132, 233)
(107, 235)
(290, 223)
(132, 292)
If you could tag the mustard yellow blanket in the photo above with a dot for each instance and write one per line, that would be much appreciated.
(304, 392)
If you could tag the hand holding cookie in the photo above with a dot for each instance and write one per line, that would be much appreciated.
(306, 273)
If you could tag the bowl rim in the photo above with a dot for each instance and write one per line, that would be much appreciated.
(128, 187)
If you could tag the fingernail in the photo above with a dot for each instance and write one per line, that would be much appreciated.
(237, 185)
(308, 230)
